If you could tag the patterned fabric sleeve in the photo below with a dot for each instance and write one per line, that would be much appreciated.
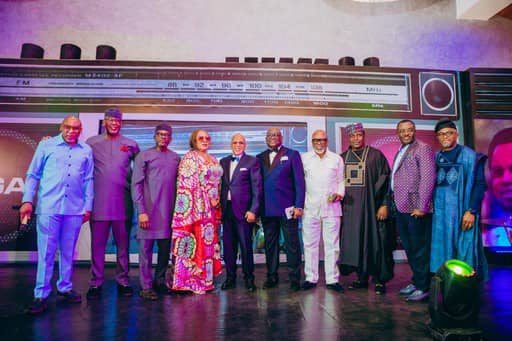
(192, 201)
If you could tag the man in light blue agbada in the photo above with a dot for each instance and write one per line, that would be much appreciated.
(62, 173)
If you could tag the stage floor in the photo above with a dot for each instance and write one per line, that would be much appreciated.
(273, 314)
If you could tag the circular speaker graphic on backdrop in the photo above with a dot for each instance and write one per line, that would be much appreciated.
(437, 94)
(298, 135)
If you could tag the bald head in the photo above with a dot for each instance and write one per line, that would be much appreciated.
(238, 144)
(71, 128)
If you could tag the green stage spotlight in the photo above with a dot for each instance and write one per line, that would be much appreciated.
(454, 302)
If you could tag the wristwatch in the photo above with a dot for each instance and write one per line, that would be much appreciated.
(471, 210)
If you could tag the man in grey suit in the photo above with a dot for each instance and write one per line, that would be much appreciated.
(240, 197)
(412, 183)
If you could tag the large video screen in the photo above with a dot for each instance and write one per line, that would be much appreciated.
(494, 138)
(142, 131)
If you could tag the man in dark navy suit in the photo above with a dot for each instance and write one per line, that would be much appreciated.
(241, 194)
(284, 191)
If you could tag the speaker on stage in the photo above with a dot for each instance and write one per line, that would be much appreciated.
(29, 50)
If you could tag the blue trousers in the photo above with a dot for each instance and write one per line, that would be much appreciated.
(415, 235)
(55, 232)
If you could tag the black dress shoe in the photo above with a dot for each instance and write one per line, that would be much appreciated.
(380, 289)
(295, 286)
(70, 296)
(163, 289)
(94, 293)
(308, 285)
(336, 287)
(270, 283)
(124, 290)
(249, 285)
(38, 306)
(358, 285)
(228, 284)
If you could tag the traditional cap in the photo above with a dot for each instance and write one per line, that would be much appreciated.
(163, 126)
(444, 123)
(353, 128)
(114, 112)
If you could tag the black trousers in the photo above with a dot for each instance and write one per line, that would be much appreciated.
(415, 234)
(272, 227)
(236, 232)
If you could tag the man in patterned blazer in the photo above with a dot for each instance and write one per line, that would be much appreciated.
(412, 183)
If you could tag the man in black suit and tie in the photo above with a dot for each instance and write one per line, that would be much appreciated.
(241, 194)
(284, 192)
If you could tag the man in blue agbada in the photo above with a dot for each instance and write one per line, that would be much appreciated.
(61, 172)
(458, 197)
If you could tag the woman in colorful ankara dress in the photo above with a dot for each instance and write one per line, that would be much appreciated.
(196, 218)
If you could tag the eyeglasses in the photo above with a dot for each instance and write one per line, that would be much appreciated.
(163, 134)
(446, 134)
(113, 120)
(204, 138)
(273, 135)
(319, 140)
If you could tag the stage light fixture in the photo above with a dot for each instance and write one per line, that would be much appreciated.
(303, 60)
(29, 50)
(286, 60)
(371, 61)
(454, 301)
(105, 52)
(347, 60)
(251, 59)
(70, 51)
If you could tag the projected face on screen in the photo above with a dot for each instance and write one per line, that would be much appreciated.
(496, 141)
(501, 175)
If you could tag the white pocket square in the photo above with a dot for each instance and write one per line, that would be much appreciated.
(284, 158)
(243, 169)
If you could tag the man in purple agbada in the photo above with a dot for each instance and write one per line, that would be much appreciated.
(154, 193)
(113, 154)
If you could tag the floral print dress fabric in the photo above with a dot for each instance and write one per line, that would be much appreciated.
(195, 240)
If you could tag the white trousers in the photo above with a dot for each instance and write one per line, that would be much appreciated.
(314, 228)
